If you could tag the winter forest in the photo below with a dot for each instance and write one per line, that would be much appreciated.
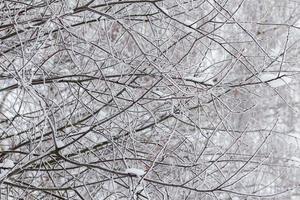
(149, 99)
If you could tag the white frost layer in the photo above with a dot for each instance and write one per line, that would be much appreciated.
(7, 164)
(71, 4)
(135, 171)
(60, 143)
(4, 145)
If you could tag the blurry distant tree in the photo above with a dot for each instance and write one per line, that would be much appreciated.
(149, 99)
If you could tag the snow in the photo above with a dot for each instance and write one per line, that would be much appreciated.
(60, 143)
(135, 171)
(141, 191)
(214, 56)
(7, 164)
(277, 82)
(297, 23)
(165, 10)
(295, 197)
(295, 135)
(71, 4)
(159, 93)
(84, 129)
(277, 50)
(191, 23)
(266, 77)
(139, 188)
(4, 145)
(296, 159)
